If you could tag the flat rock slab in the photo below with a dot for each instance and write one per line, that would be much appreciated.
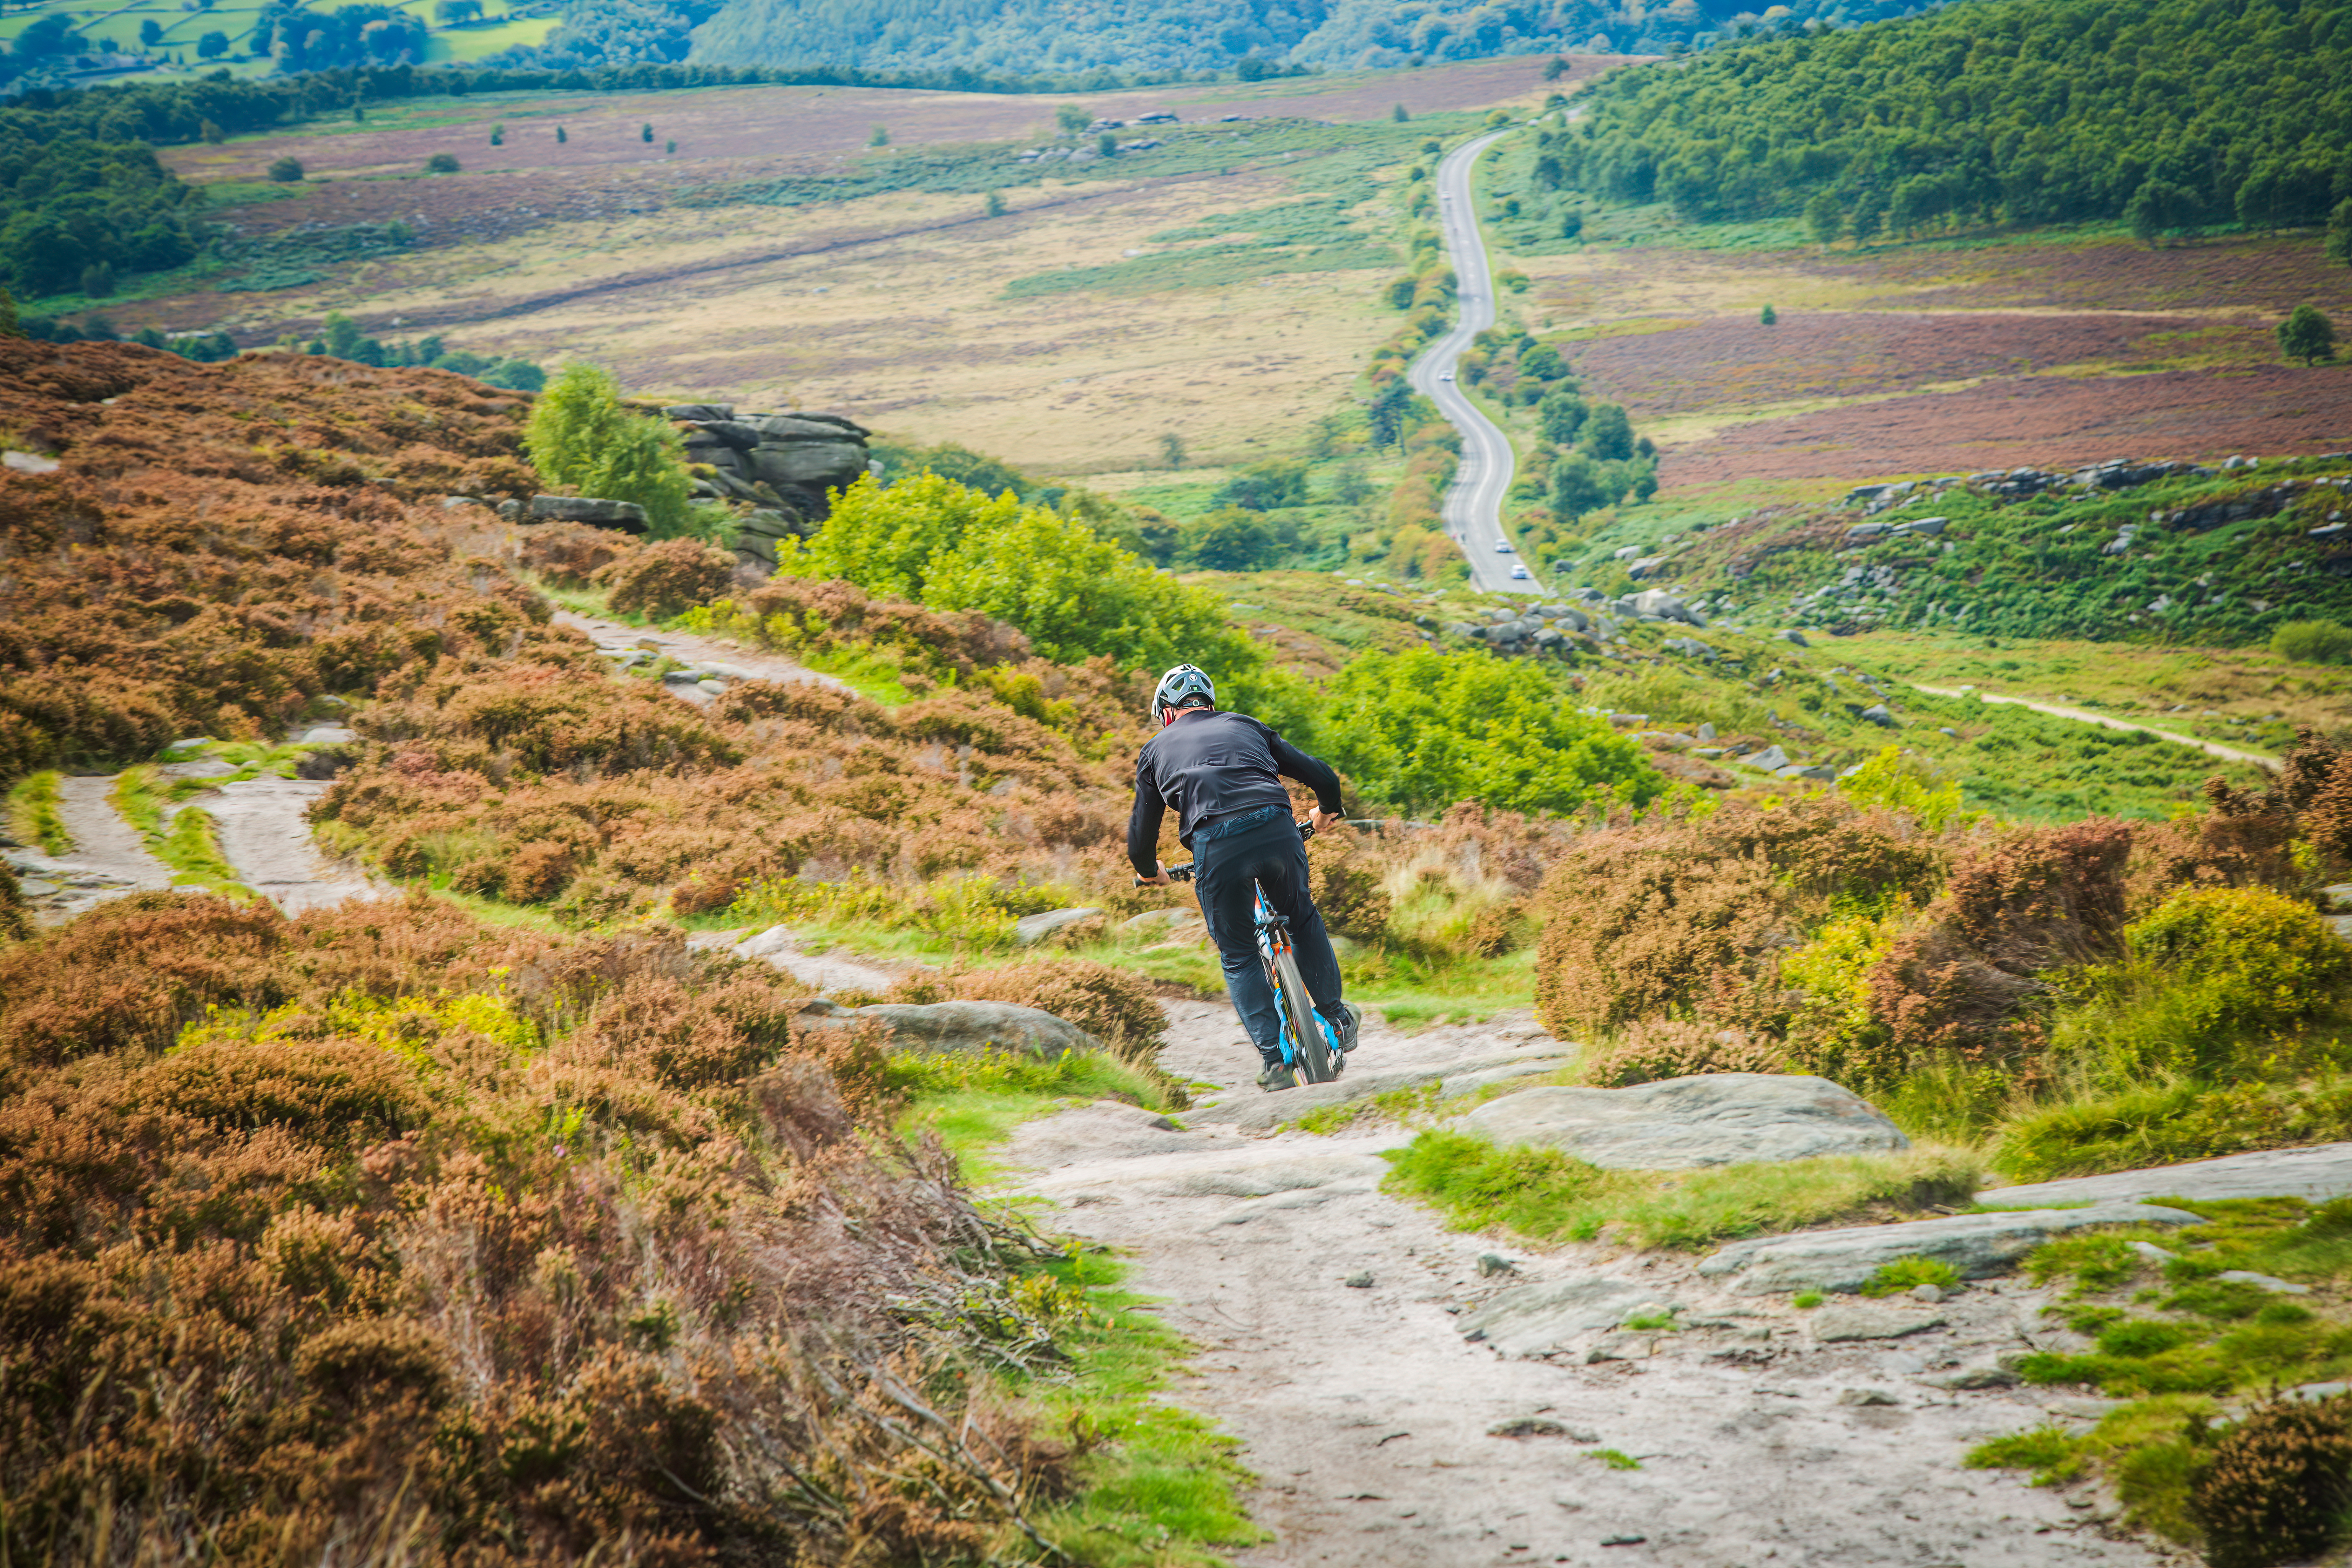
(1267, 1111)
(1030, 930)
(1566, 1315)
(780, 949)
(1844, 1325)
(265, 835)
(1976, 1244)
(1258, 1170)
(2316, 1174)
(1717, 1119)
(953, 1028)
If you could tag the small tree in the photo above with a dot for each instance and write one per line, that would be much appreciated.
(1572, 223)
(213, 134)
(212, 45)
(881, 137)
(2339, 233)
(2306, 335)
(1107, 144)
(646, 134)
(1399, 114)
(580, 437)
(97, 279)
(442, 163)
(1869, 216)
(670, 146)
(996, 204)
(499, 134)
(1172, 449)
(341, 336)
(1073, 119)
(1555, 69)
(561, 136)
(1770, 317)
(287, 171)
(1824, 219)
(1575, 488)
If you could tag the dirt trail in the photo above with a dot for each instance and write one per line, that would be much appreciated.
(265, 833)
(614, 637)
(109, 859)
(2083, 715)
(1368, 1416)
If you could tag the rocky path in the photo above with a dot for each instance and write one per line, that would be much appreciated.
(265, 835)
(719, 660)
(264, 832)
(108, 860)
(1330, 1323)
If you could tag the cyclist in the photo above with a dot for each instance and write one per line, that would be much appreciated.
(1220, 771)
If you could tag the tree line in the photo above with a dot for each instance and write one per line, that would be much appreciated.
(2171, 113)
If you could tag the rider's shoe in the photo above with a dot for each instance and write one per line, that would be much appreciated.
(1345, 1025)
(1277, 1075)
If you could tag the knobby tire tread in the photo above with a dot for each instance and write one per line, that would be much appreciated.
(1315, 1054)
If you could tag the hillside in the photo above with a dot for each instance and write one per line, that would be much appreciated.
(1254, 35)
(2179, 115)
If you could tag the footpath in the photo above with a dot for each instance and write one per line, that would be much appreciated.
(1335, 1331)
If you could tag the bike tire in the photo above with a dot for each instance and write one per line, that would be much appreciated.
(1317, 1062)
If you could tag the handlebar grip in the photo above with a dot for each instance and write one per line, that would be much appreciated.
(1175, 874)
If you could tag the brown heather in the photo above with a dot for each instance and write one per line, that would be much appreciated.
(288, 1291)
(382, 1235)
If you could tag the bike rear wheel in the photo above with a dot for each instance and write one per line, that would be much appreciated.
(1317, 1062)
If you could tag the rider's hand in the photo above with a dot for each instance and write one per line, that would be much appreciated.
(1322, 820)
(1158, 881)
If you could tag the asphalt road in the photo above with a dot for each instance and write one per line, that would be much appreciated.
(1473, 505)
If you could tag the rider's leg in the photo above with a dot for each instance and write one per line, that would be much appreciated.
(1222, 882)
(1277, 857)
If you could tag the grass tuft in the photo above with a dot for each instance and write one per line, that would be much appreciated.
(1546, 1195)
(32, 814)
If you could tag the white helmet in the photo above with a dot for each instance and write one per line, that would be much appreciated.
(1181, 687)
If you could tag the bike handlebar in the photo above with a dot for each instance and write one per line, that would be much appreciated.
(1184, 873)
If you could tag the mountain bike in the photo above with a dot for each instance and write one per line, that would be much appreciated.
(1310, 1044)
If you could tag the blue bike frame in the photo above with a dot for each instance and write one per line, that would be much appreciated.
(1273, 932)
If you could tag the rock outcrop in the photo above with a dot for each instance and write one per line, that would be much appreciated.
(1974, 1244)
(785, 466)
(956, 1028)
(1716, 1119)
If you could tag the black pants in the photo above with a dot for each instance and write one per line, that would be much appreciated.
(1274, 857)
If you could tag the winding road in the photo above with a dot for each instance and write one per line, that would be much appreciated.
(1474, 504)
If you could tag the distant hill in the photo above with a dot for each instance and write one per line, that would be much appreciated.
(2174, 114)
(1031, 36)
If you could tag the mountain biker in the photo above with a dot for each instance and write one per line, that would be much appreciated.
(1220, 771)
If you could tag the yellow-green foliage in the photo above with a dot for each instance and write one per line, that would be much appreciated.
(1832, 973)
(1901, 783)
(33, 812)
(402, 1025)
(2218, 985)
(2257, 959)
(971, 912)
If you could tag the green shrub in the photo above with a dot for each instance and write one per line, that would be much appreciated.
(581, 439)
(1423, 730)
(2312, 642)
(441, 163)
(951, 547)
(2052, 1453)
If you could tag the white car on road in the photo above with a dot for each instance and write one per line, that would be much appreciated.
(1518, 569)
(1502, 547)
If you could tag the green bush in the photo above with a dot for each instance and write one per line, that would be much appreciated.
(581, 439)
(2312, 642)
(442, 163)
(1076, 594)
(1907, 1273)
(2259, 960)
(1424, 730)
